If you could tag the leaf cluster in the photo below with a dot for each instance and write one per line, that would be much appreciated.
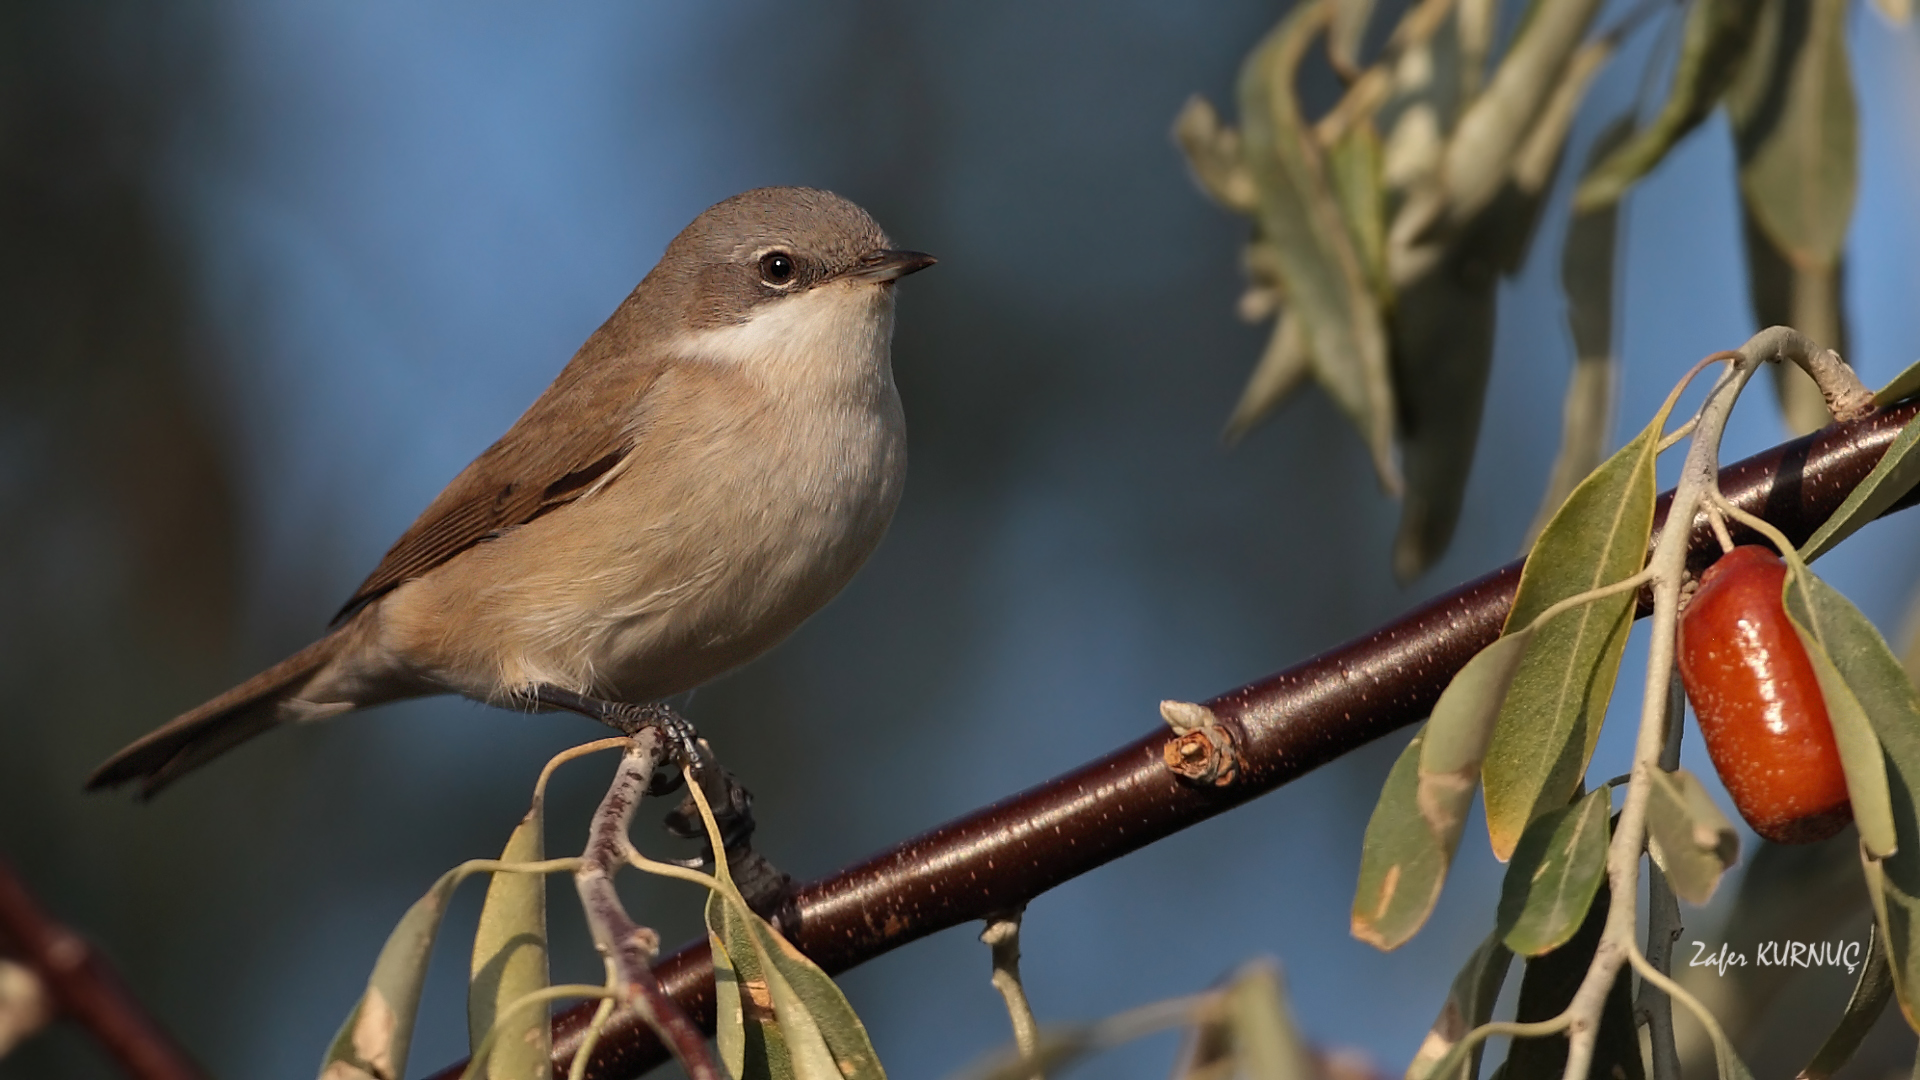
(1380, 228)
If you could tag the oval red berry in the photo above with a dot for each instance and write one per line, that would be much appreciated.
(1758, 702)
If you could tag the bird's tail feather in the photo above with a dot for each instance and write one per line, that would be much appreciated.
(194, 738)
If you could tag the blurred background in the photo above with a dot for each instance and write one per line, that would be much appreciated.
(275, 271)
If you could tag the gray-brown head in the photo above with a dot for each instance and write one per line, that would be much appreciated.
(766, 245)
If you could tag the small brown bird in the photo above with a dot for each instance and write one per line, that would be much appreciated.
(712, 467)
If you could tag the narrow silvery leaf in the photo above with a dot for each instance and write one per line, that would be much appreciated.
(1358, 184)
(1321, 273)
(1213, 153)
(1469, 1004)
(747, 1027)
(373, 1042)
(1462, 722)
(1444, 298)
(510, 962)
(1691, 839)
(1830, 626)
(1283, 366)
(1548, 984)
(1402, 863)
(1266, 1045)
(1456, 737)
(1795, 130)
(1903, 386)
(795, 1004)
(1805, 296)
(1443, 335)
(1587, 268)
(1871, 992)
(1893, 707)
(1554, 709)
(1892, 477)
(826, 1008)
(1860, 756)
(1494, 127)
(1474, 26)
(1555, 873)
(1711, 51)
(1897, 911)
(1795, 127)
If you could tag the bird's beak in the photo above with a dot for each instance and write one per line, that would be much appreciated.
(889, 265)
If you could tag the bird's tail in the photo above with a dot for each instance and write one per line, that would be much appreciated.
(193, 738)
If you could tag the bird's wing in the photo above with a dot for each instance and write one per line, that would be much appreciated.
(571, 437)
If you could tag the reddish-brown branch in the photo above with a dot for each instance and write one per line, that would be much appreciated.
(1283, 727)
(85, 988)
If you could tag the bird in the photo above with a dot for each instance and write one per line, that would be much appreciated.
(711, 467)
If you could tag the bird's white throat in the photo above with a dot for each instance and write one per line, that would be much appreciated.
(832, 337)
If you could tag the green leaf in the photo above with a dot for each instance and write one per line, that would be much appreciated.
(1443, 334)
(373, 1042)
(1362, 193)
(1213, 153)
(1586, 274)
(1870, 996)
(1556, 870)
(1423, 807)
(1689, 837)
(510, 962)
(1903, 386)
(1266, 1046)
(1553, 712)
(749, 1037)
(1828, 625)
(1282, 367)
(776, 1004)
(1895, 909)
(1806, 297)
(813, 992)
(1402, 864)
(1892, 477)
(1469, 1004)
(1795, 127)
(1892, 706)
(1321, 272)
(1415, 829)
(1711, 51)
(1795, 130)
(1547, 987)
(1458, 732)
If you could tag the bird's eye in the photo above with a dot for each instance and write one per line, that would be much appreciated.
(776, 268)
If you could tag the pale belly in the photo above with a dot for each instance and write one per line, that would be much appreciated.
(614, 596)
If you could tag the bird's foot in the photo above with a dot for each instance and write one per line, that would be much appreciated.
(767, 890)
(627, 719)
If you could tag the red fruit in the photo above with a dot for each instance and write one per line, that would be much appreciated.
(1758, 701)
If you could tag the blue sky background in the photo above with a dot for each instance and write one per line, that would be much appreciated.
(395, 223)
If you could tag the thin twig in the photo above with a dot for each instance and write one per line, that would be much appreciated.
(1698, 480)
(1663, 914)
(1002, 935)
(628, 947)
(86, 989)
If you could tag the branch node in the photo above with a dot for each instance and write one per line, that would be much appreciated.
(1201, 751)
